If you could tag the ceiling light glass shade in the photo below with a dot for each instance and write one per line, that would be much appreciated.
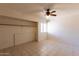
(47, 17)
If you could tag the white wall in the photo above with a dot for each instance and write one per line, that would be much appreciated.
(65, 28)
(10, 32)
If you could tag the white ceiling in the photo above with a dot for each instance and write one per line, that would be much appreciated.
(31, 11)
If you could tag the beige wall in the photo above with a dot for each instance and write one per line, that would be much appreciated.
(11, 29)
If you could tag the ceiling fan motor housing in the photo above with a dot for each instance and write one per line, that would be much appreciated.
(47, 13)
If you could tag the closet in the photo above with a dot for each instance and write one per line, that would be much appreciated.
(15, 31)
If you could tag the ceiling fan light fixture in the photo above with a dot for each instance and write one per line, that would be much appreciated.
(47, 16)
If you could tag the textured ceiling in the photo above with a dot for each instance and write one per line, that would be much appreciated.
(31, 11)
(24, 11)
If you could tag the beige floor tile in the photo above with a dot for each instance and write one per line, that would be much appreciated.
(42, 48)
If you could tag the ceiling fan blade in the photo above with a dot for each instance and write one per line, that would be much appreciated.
(53, 14)
(53, 11)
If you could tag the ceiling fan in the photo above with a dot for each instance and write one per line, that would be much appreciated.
(50, 13)
(46, 10)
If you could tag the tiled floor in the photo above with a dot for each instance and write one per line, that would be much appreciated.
(42, 48)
